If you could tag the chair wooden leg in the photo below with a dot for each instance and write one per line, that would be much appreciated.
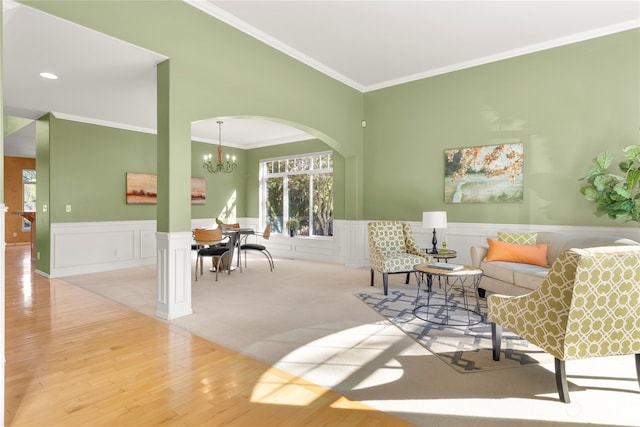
(638, 366)
(197, 259)
(372, 277)
(407, 281)
(496, 340)
(561, 381)
(385, 282)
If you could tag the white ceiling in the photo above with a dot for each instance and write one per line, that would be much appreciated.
(364, 44)
(373, 44)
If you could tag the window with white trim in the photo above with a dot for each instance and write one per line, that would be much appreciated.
(299, 188)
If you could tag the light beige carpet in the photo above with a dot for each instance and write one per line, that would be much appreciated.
(467, 348)
(304, 318)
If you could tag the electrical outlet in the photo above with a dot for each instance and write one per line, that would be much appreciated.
(68, 208)
(44, 208)
(15, 234)
(37, 255)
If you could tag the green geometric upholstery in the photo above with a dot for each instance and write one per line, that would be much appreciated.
(392, 250)
(518, 238)
(588, 306)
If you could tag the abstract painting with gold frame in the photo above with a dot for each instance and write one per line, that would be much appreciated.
(142, 189)
(484, 174)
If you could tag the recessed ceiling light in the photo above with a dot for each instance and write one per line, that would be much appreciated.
(49, 76)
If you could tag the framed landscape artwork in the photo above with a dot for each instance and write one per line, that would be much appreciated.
(142, 189)
(198, 191)
(484, 174)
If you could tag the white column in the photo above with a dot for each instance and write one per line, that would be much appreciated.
(174, 274)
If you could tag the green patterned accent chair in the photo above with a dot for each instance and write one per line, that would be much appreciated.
(393, 250)
(588, 306)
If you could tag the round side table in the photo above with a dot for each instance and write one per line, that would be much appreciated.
(466, 280)
(443, 254)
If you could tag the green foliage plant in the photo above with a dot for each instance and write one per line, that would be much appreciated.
(293, 224)
(616, 196)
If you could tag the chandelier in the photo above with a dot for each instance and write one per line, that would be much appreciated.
(228, 166)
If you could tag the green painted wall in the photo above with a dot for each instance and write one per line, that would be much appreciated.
(226, 193)
(566, 104)
(88, 166)
(85, 166)
(12, 124)
(312, 146)
(217, 72)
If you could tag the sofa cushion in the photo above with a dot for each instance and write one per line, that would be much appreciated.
(557, 242)
(519, 238)
(528, 254)
(560, 242)
(514, 278)
(523, 275)
(529, 276)
(501, 270)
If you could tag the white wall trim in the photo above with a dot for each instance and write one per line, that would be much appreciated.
(90, 247)
(79, 248)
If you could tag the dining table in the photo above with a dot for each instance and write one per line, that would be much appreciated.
(240, 234)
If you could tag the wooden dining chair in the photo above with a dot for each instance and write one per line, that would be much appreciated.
(210, 242)
(233, 225)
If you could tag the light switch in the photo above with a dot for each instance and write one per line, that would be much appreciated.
(68, 208)
(44, 208)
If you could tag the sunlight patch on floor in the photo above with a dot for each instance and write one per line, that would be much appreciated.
(332, 360)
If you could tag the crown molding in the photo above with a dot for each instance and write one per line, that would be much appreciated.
(258, 144)
(538, 47)
(252, 31)
(92, 121)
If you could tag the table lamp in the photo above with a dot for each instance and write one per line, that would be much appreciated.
(434, 219)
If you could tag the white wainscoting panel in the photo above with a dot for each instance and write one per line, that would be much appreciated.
(89, 247)
(79, 248)
(462, 236)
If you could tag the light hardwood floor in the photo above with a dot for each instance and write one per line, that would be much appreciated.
(74, 358)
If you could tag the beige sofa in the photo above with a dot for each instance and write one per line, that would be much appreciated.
(511, 278)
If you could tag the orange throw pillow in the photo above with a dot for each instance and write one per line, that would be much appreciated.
(526, 254)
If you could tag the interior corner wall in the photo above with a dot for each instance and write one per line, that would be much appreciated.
(43, 195)
(88, 167)
(565, 104)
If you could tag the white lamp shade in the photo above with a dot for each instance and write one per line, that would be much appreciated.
(434, 219)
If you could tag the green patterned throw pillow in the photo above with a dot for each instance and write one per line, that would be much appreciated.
(518, 238)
